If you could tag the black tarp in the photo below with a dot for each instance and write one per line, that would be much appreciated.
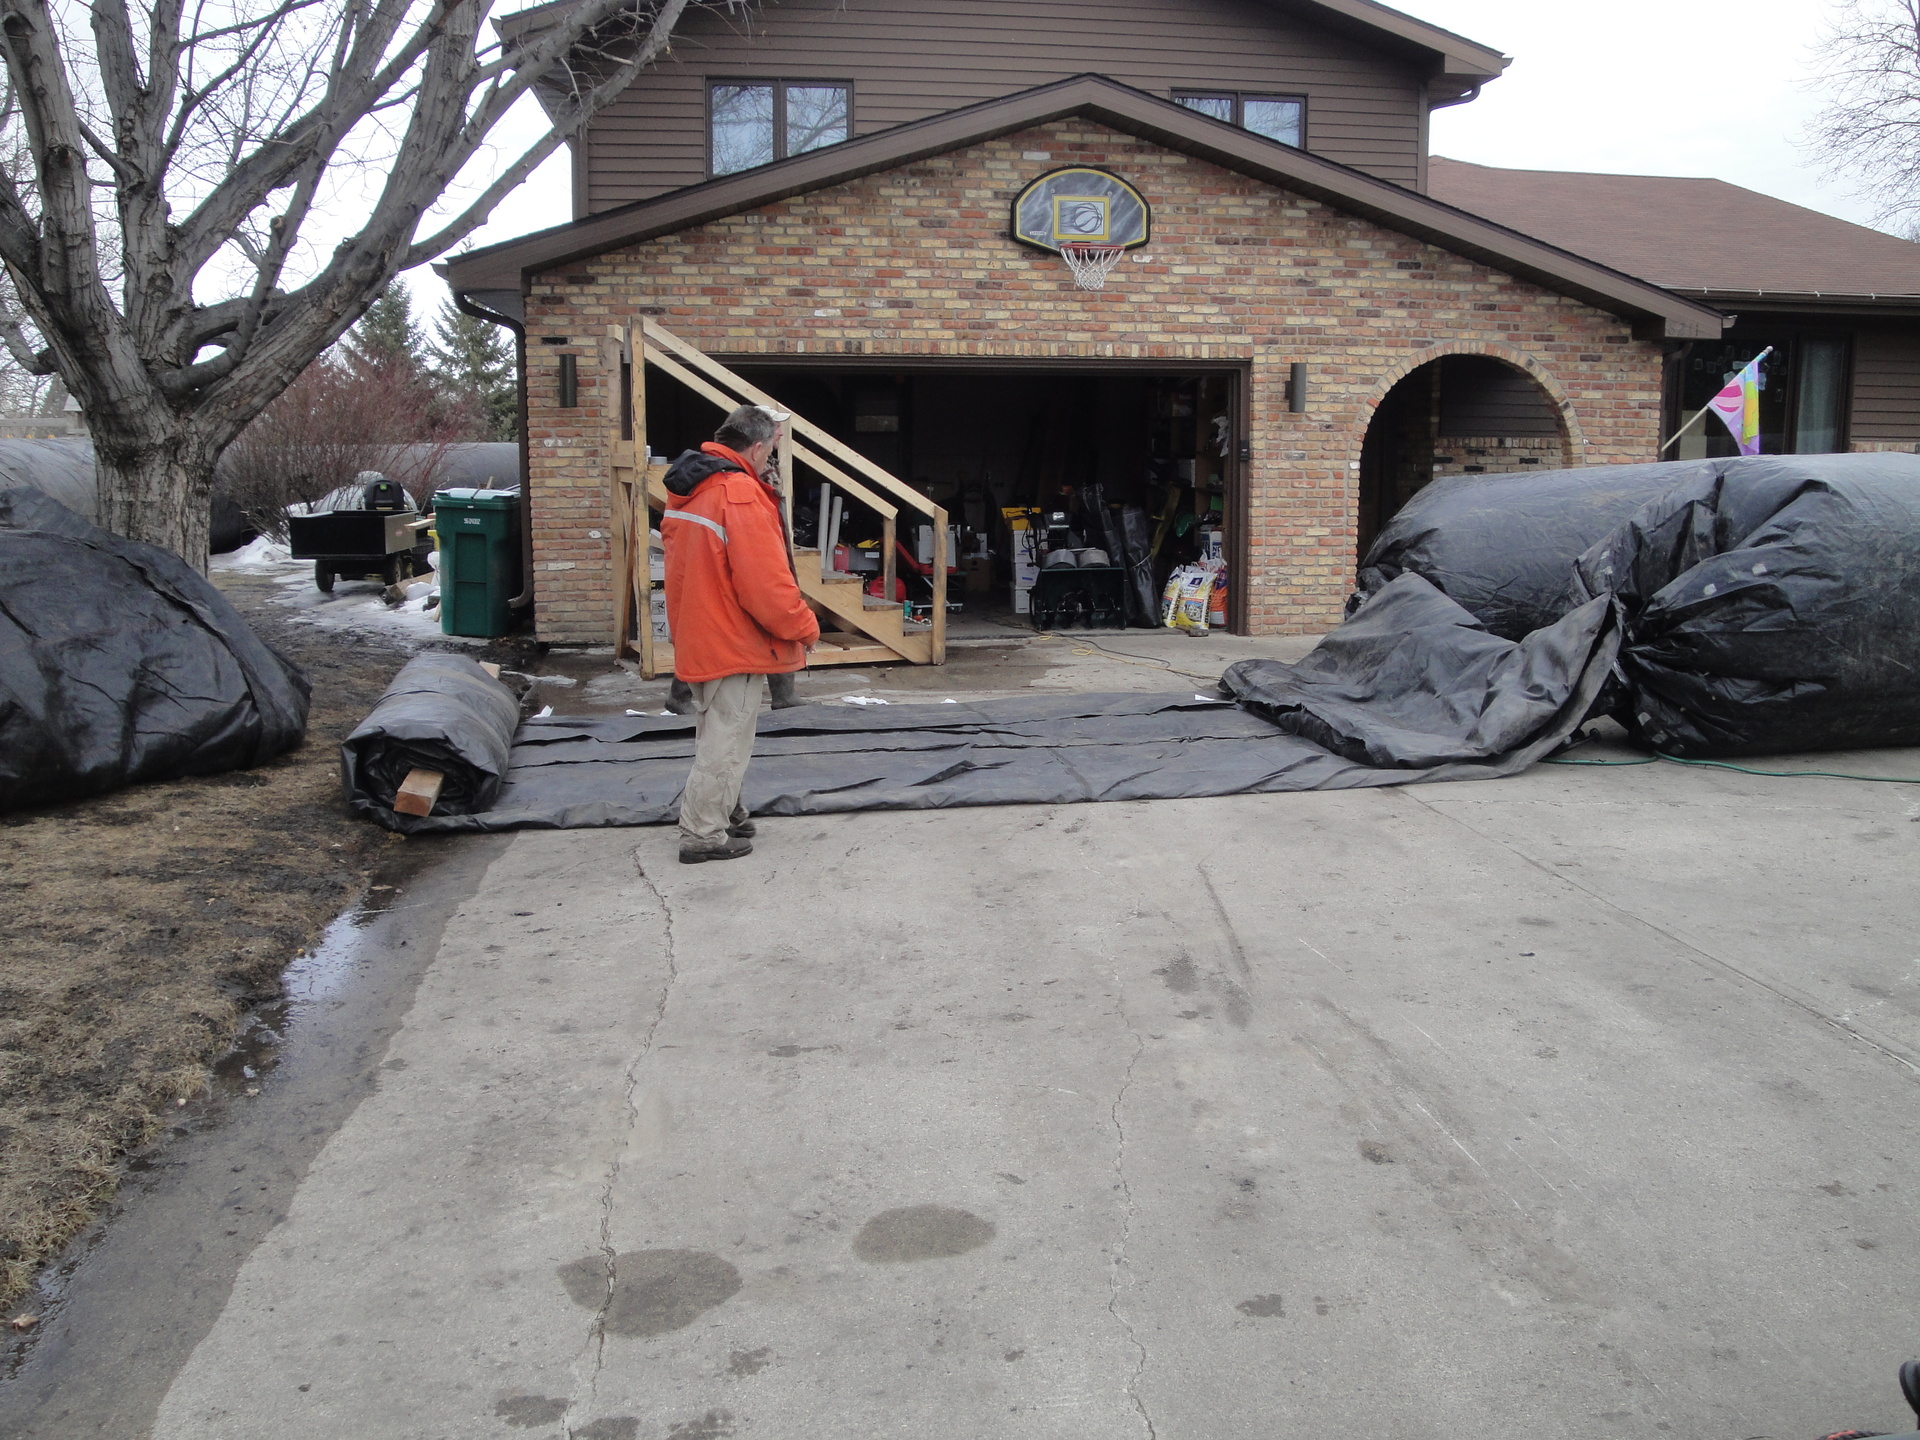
(120, 663)
(443, 713)
(1772, 604)
(1439, 720)
(1504, 545)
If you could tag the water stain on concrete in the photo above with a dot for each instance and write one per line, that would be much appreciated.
(610, 1427)
(654, 1291)
(920, 1232)
(1263, 1307)
(1180, 977)
(1376, 1152)
(710, 1426)
(529, 1412)
(742, 1363)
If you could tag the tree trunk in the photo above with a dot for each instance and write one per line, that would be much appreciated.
(157, 487)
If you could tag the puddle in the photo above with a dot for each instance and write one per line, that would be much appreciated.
(308, 1050)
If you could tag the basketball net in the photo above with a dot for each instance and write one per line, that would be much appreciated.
(1091, 264)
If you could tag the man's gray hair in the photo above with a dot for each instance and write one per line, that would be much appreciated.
(748, 426)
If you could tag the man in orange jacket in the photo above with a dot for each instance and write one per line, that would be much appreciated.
(736, 614)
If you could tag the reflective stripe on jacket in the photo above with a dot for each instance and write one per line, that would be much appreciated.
(732, 602)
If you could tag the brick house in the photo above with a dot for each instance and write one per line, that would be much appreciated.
(1238, 365)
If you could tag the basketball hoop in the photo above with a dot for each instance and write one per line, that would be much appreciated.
(1091, 264)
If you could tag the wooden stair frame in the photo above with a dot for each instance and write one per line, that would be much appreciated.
(868, 632)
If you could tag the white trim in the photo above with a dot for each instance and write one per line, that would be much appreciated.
(714, 525)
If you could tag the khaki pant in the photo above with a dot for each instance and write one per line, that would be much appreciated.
(723, 744)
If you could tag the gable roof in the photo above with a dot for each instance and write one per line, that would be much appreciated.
(501, 271)
(1701, 237)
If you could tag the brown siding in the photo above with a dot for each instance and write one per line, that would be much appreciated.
(1886, 385)
(909, 59)
(914, 265)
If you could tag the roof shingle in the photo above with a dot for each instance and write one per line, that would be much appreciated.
(1692, 235)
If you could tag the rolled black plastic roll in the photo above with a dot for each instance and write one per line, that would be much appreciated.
(442, 713)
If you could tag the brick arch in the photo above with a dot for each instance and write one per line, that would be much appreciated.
(1576, 442)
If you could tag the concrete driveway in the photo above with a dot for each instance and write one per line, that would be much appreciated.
(1579, 1104)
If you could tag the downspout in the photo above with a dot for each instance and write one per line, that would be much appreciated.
(479, 312)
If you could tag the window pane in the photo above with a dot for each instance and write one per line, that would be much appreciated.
(1275, 119)
(816, 115)
(1220, 107)
(742, 127)
(1823, 372)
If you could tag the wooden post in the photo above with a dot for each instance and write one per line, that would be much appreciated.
(820, 528)
(640, 513)
(888, 538)
(938, 649)
(785, 460)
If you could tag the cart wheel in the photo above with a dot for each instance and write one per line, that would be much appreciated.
(397, 569)
(322, 577)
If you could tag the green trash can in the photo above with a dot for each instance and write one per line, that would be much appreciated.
(479, 534)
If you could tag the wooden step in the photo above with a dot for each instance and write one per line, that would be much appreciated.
(811, 560)
(836, 649)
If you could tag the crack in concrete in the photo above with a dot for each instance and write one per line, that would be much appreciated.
(1126, 1227)
(630, 1083)
(1705, 958)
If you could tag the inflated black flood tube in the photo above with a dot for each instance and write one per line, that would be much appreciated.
(441, 713)
(120, 663)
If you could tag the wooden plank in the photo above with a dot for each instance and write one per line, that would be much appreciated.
(872, 653)
(937, 648)
(801, 453)
(491, 668)
(418, 792)
(845, 454)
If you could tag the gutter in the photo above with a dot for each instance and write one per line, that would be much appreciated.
(524, 600)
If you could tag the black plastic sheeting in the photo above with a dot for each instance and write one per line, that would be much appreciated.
(444, 713)
(1478, 707)
(120, 663)
(1504, 545)
(1772, 605)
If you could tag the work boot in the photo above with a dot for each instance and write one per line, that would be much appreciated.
(731, 848)
(741, 827)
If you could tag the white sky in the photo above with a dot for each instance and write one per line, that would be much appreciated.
(1649, 87)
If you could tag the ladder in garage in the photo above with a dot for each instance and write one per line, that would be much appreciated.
(855, 628)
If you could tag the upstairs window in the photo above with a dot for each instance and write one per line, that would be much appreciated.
(756, 123)
(1278, 117)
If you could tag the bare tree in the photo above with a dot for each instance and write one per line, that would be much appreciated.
(1869, 130)
(187, 163)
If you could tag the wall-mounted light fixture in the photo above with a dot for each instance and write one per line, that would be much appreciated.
(569, 381)
(1297, 388)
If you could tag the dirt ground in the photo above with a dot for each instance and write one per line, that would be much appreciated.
(142, 925)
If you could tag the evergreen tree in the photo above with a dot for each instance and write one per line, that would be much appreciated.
(472, 360)
(386, 338)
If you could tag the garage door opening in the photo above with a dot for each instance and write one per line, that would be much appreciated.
(1458, 415)
(1026, 462)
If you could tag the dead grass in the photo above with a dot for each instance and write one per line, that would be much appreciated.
(142, 925)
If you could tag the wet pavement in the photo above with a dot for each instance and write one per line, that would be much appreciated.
(1582, 1104)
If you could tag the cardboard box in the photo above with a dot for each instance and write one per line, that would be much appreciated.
(1023, 599)
(979, 572)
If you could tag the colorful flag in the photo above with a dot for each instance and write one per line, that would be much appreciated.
(1738, 406)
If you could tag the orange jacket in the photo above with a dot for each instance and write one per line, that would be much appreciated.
(732, 602)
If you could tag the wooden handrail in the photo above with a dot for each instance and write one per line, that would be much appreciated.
(886, 508)
(799, 424)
